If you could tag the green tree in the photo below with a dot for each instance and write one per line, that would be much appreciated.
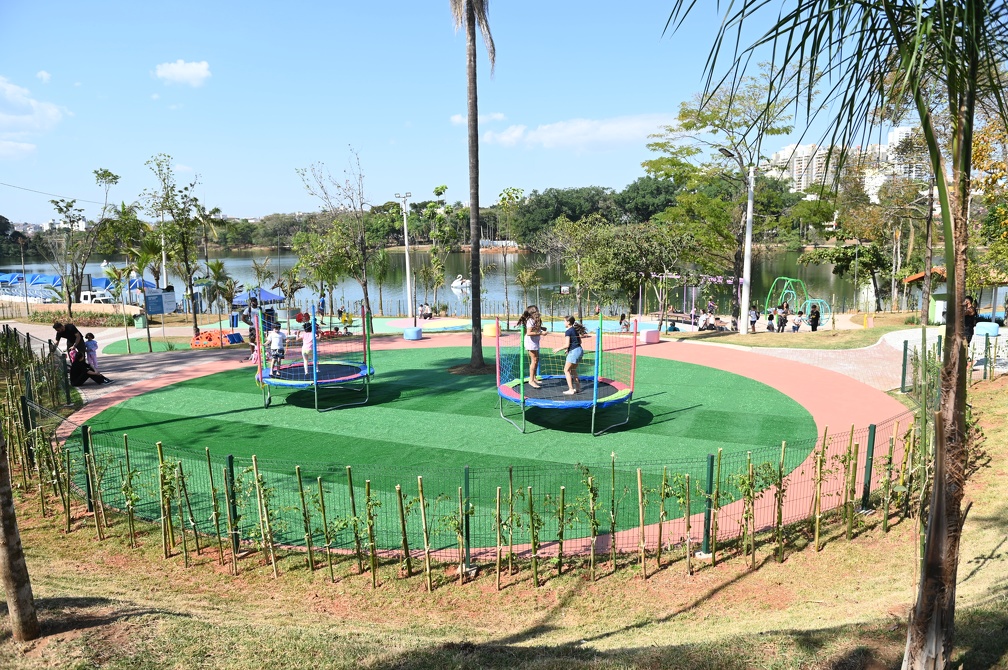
(353, 235)
(69, 248)
(538, 211)
(380, 265)
(507, 203)
(182, 230)
(217, 282)
(952, 46)
(730, 122)
(473, 13)
(645, 197)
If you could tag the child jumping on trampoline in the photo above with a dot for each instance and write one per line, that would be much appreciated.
(531, 320)
(575, 331)
(277, 345)
(307, 337)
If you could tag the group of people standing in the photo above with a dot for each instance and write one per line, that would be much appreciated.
(778, 318)
(531, 321)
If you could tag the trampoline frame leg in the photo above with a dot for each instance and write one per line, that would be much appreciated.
(500, 405)
(610, 427)
(366, 387)
(267, 396)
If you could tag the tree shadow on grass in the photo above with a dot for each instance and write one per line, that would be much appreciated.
(61, 615)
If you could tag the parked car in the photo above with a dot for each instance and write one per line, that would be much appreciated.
(100, 297)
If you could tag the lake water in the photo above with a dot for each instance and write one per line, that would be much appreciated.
(819, 280)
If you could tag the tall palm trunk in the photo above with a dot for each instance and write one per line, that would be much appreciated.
(13, 571)
(476, 358)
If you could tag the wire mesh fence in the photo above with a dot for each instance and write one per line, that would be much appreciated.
(194, 489)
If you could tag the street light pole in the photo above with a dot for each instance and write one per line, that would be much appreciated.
(747, 257)
(409, 292)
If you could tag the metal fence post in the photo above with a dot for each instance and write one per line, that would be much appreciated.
(986, 354)
(65, 378)
(86, 452)
(465, 517)
(230, 483)
(906, 346)
(26, 421)
(869, 455)
(705, 548)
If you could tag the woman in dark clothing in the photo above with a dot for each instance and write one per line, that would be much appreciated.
(80, 372)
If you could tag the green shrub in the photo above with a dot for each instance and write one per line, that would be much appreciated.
(90, 319)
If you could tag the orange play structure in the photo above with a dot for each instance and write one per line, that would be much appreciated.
(211, 338)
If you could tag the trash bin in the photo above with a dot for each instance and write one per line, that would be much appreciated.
(234, 319)
(140, 321)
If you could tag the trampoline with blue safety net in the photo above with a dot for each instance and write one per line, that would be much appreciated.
(318, 359)
(606, 375)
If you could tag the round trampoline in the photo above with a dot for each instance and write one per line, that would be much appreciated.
(610, 360)
(325, 359)
(550, 395)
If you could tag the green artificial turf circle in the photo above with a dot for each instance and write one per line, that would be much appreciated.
(423, 420)
(420, 415)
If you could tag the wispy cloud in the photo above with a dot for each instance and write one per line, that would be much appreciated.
(582, 133)
(43, 76)
(179, 167)
(192, 73)
(459, 119)
(154, 96)
(22, 118)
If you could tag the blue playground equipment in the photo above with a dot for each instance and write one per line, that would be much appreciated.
(793, 292)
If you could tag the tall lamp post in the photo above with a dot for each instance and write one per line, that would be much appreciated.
(743, 318)
(409, 291)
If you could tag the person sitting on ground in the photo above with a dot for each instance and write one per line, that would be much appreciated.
(75, 346)
(277, 341)
(346, 331)
(80, 372)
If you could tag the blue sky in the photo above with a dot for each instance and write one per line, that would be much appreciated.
(242, 94)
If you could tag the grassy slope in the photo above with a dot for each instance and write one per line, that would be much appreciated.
(104, 605)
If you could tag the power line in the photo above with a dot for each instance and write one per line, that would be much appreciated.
(31, 190)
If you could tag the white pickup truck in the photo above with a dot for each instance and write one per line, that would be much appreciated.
(100, 297)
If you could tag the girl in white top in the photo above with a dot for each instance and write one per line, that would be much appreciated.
(531, 319)
(307, 337)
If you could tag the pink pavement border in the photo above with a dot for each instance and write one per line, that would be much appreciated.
(834, 400)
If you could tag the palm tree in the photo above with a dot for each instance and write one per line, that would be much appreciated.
(217, 278)
(289, 282)
(150, 249)
(473, 13)
(262, 271)
(935, 58)
(208, 220)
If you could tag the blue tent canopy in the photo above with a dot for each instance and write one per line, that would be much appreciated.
(264, 296)
(45, 280)
(11, 278)
(99, 283)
